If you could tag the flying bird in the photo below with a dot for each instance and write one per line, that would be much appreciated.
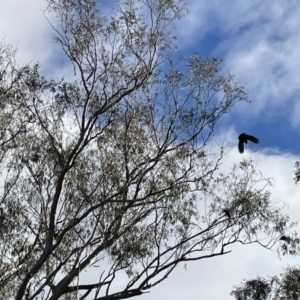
(244, 138)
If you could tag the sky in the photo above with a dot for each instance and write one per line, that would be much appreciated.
(260, 43)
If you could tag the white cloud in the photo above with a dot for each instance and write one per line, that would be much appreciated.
(24, 26)
(261, 45)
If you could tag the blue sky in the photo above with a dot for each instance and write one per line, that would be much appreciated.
(260, 43)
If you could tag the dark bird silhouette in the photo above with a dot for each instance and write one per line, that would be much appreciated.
(227, 213)
(244, 138)
(35, 157)
(1, 215)
(285, 239)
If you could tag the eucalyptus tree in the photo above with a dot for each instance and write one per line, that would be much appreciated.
(283, 287)
(297, 172)
(111, 169)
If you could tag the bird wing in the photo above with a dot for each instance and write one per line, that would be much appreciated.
(253, 139)
(243, 138)
(241, 146)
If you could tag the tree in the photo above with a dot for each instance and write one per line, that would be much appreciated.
(284, 287)
(297, 172)
(113, 166)
(255, 289)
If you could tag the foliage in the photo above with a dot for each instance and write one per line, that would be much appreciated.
(297, 172)
(284, 287)
(112, 168)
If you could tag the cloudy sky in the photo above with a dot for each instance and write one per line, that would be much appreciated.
(260, 44)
